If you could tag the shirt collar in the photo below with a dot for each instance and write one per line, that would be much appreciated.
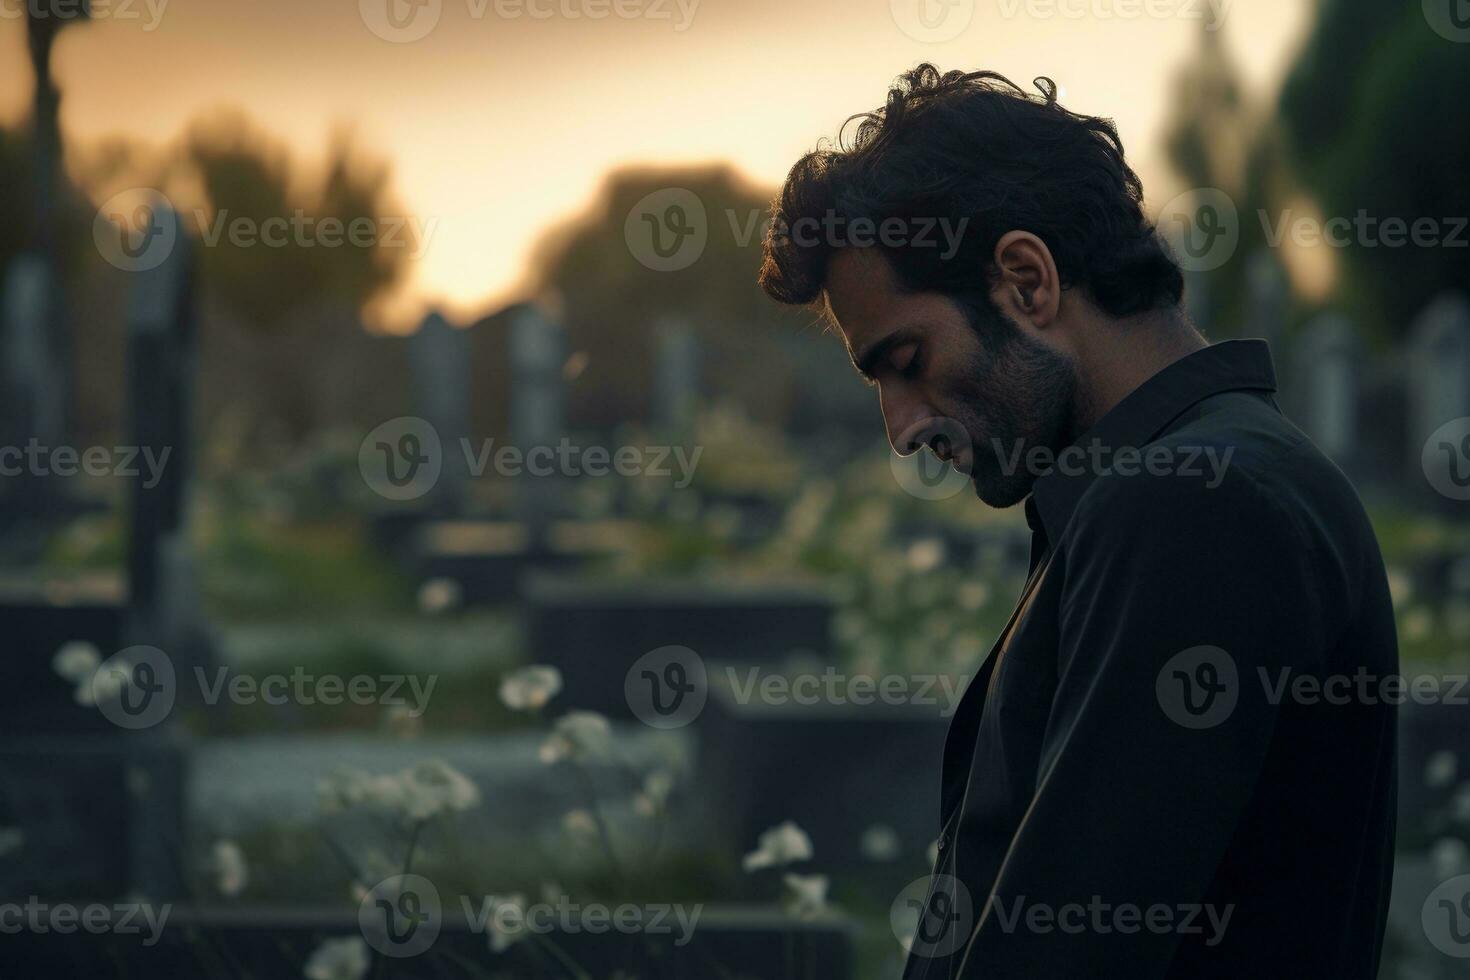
(1232, 365)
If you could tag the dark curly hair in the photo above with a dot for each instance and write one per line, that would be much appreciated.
(973, 150)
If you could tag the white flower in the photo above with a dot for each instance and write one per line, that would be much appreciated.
(1439, 771)
(806, 895)
(1449, 857)
(656, 788)
(439, 595)
(879, 843)
(429, 789)
(76, 661)
(779, 846)
(1460, 804)
(925, 555)
(401, 721)
(338, 959)
(1417, 624)
(579, 823)
(506, 920)
(529, 688)
(576, 735)
(1400, 588)
(228, 864)
(435, 787)
(11, 838)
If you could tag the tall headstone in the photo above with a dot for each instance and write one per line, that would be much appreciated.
(163, 602)
(1326, 360)
(439, 355)
(538, 408)
(33, 405)
(1267, 287)
(676, 395)
(1439, 370)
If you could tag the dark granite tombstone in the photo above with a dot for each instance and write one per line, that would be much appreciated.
(595, 630)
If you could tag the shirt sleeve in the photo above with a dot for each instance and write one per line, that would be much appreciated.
(1180, 607)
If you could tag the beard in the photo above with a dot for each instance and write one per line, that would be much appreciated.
(1015, 394)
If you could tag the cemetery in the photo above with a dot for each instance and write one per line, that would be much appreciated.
(340, 652)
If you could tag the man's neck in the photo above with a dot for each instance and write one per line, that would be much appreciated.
(1124, 353)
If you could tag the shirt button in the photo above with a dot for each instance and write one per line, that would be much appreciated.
(943, 840)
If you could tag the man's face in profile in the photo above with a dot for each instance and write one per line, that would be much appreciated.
(978, 396)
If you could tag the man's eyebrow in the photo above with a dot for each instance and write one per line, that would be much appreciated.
(868, 358)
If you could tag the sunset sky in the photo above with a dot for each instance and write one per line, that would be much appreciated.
(498, 123)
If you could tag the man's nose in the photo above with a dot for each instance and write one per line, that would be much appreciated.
(908, 426)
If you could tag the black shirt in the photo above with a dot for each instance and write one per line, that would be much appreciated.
(1176, 762)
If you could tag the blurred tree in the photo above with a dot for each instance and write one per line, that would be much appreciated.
(756, 353)
(1369, 113)
(248, 179)
(1217, 137)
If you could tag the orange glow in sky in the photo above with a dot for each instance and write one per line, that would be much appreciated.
(506, 114)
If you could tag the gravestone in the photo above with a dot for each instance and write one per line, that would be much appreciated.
(677, 389)
(1326, 364)
(538, 412)
(439, 356)
(1267, 288)
(1438, 375)
(594, 630)
(764, 761)
(100, 806)
(33, 388)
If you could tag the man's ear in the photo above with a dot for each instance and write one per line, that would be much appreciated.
(1026, 285)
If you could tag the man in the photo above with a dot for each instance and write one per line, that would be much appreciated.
(1168, 765)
